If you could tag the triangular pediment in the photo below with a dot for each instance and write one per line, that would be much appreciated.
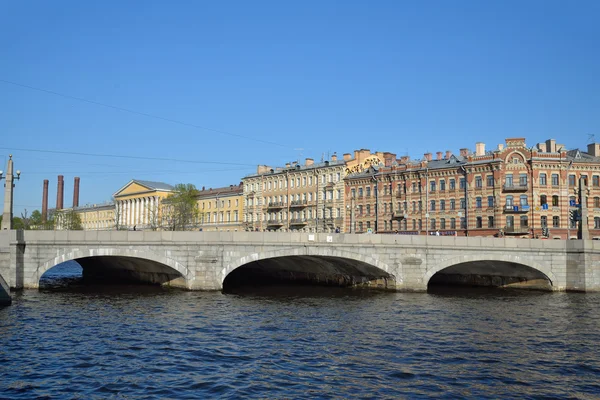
(133, 187)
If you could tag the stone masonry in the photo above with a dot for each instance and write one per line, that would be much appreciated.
(202, 260)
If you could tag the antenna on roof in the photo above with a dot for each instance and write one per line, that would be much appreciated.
(591, 139)
(299, 150)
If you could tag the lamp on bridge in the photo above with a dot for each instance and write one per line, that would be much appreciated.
(7, 216)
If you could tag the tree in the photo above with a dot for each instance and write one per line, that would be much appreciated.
(67, 220)
(118, 215)
(26, 221)
(35, 220)
(180, 208)
(153, 217)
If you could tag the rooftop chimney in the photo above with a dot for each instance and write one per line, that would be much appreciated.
(45, 201)
(464, 152)
(76, 192)
(439, 155)
(542, 147)
(500, 147)
(347, 156)
(309, 161)
(551, 145)
(334, 157)
(594, 149)
(404, 159)
(427, 156)
(448, 154)
(480, 149)
(60, 191)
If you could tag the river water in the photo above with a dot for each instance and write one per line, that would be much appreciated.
(73, 341)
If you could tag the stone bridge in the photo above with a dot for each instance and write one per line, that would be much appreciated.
(214, 260)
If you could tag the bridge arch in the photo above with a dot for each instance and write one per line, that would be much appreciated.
(91, 253)
(317, 253)
(501, 258)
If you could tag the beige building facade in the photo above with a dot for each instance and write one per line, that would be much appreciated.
(221, 209)
(138, 204)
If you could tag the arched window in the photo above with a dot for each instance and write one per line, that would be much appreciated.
(543, 200)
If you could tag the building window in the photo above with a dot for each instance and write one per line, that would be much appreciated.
(478, 182)
(556, 222)
(360, 192)
(478, 223)
(452, 223)
(432, 205)
(432, 186)
(442, 205)
(596, 202)
(463, 223)
(554, 179)
(509, 201)
(508, 179)
(432, 224)
(360, 210)
(442, 185)
(543, 200)
(414, 206)
(442, 223)
(571, 180)
(463, 183)
(452, 184)
(596, 180)
(510, 221)
(414, 187)
(368, 209)
(523, 200)
(555, 200)
(596, 222)
(462, 204)
(522, 179)
(543, 180)
(414, 224)
(420, 205)
(478, 202)
(452, 204)
(490, 222)
(490, 181)
(544, 221)
(490, 201)
(524, 221)
(368, 191)
(420, 224)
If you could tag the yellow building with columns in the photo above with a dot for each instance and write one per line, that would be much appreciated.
(138, 204)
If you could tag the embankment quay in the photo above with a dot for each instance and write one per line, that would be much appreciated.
(213, 260)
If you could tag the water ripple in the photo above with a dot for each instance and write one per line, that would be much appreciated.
(154, 343)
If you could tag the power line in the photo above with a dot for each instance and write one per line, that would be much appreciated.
(67, 96)
(76, 153)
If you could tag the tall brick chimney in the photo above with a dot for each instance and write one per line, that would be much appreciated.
(60, 191)
(45, 201)
(76, 192)
(427, 156)
(439, 155)
(448, 154)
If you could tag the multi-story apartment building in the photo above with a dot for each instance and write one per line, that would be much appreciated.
(308, 198)
(512, 190)
(221, 209)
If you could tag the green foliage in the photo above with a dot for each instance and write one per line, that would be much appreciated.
(67, 220)
(180, 210)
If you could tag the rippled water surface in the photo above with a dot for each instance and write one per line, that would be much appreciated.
(134, 342)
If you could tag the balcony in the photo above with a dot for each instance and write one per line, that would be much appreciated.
(298, 204)
(512, 209)
(515, 187)
(516, 230)
(298, 221)
(275, 222)
(398, 215)
(275, 206)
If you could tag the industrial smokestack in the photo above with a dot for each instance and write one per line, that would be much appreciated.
(60, 191)
(76, 192)
(45, 201)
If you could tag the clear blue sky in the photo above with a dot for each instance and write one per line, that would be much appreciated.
(276, 81)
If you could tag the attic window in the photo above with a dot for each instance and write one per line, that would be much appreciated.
(578, 154)
(516, 160)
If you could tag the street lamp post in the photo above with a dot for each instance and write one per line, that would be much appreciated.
(7, 216)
